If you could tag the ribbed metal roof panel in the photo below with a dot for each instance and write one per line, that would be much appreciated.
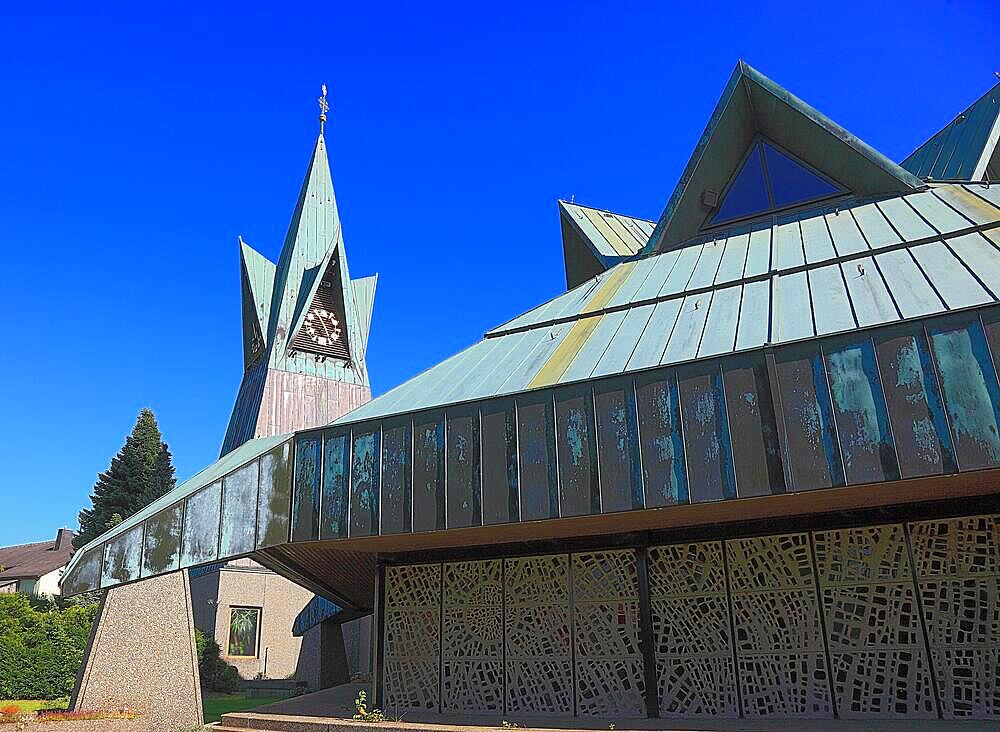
(954, 152)
(826, 271)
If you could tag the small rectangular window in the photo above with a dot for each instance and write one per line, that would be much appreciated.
(244, 632)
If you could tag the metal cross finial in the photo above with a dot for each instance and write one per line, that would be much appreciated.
(324, 107)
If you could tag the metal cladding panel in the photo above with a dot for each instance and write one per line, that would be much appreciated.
(734, 258)
(366, 476)
(499, 462)
(845, 234)
(306, 489)
(940, 215)
(593, 350)
(537, 481)
(723, 319)
(958, 288)
(750, 405)
(396, 503)
(954, 152)
(707, 442)
(922, 439)
(576, 452)
(618, 446)
(831, 304)
(463, 488)
(428, 472)
(909, 400)
(969, 387)
(913, 293)
(161, 550)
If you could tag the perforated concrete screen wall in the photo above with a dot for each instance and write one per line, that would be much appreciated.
(886, 621)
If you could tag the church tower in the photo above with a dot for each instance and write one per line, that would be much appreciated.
(305, 321)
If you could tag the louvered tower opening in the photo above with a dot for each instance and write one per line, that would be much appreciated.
(324, 328)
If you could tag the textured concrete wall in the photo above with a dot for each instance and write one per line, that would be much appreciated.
(280, 601)
(142, 655)
(204, 595)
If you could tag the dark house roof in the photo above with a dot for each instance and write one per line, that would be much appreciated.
(30, 561)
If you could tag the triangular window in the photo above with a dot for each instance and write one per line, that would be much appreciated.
(770, 179)
(324, 328)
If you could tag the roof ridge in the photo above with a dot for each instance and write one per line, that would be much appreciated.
(26, 544)
(951, 120)
(604, 210)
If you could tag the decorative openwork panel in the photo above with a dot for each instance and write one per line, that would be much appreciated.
(691, 631)
(779, 642)
(539, 668)
(609, 670)
(412, 637)
(880, 666)
(472, 648)
(957, 565)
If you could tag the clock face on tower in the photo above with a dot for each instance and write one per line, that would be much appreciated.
(323, 331)
(322, 327)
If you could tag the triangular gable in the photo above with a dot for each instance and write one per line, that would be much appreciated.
(595, 240)
(364, 301)
(769, 179)
(966, 148)
(754, 105)
(259, 271)
(256, 282)
(321, 329)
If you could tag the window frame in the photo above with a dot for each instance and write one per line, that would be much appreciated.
(256, 640)
(756, 146)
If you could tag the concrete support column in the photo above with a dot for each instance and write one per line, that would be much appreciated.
(142, 655)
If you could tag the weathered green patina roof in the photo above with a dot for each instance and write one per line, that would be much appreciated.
(595, 240)
(832, 269)
(963, 149)
(752, 104)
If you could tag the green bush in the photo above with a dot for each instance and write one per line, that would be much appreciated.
(216, 674)
(41, 646)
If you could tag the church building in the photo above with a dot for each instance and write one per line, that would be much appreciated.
(746, 466)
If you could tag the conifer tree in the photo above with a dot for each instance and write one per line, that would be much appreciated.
(141, 472)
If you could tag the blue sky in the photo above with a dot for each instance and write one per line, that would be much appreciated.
(137, 141)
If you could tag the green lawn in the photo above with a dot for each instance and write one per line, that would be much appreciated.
(34, 705)
(215, 706)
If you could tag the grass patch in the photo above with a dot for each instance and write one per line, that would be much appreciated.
(214, 707)
(27, 706)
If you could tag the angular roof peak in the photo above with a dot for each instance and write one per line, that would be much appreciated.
(303, 315)
(966, 148)
(752, 105)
